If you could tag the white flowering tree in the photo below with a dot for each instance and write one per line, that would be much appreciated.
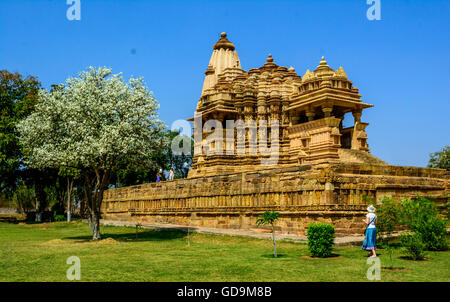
(96, 123)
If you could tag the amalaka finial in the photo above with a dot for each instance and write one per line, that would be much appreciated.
(223, 42)
(269, 58)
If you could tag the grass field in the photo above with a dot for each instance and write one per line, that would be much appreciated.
(38, 252)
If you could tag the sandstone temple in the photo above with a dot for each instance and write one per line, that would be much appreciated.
(311, 166)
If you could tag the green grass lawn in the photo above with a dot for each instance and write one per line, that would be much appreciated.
(38, 252)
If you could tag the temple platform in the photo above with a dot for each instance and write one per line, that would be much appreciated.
(333, 192)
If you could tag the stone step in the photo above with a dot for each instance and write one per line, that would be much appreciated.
(350, 155)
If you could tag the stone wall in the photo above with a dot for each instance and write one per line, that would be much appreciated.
(332, 192)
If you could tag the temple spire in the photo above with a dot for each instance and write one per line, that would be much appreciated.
(224, 56)
(323, 64)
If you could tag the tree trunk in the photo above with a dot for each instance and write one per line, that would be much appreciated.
(274, 242)
(95, 227)
(83, 207)
(93, 189)
(40, 200)
(38, 215)
(70, 181)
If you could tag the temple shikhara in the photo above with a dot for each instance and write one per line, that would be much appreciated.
(309, 110)
(311, 166)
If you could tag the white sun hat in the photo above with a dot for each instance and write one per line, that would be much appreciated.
(371, 209)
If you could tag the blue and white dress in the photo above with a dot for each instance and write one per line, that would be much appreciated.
(370, 240)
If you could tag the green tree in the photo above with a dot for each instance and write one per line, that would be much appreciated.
(422, 217)
(24, 197)
(388, 218)
(98, 124)
(164, 158)
(45, 183)
(18, 97)
(269, 218)
(440, 159)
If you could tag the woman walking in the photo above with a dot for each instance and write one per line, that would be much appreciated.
(370, 240)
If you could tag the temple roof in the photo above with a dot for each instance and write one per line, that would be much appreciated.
(226, 84)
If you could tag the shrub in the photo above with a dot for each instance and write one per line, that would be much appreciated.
(434, 234)
(58, 217)
(390, 250)
(413, 246)
(422, 217)
(415, 212)
(388, 218)
(446, 210)
(320, 239)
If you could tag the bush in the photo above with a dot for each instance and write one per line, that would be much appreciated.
(58, 217)
(388, 218)
(320, 239)
(434, 234)
(413, 246)
(415, 212)
(422, 217)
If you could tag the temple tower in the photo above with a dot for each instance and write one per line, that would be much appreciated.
(287, 120)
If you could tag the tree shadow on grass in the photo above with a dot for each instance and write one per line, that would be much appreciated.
(12, 220)
(273, 257)
(418, 259)
(142, 235)
(332, 256)
(394, 269)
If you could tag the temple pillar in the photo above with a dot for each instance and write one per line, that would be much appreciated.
(261, 103)
(357, 116)
(284, 118)
(262, 115)
(275, 101)
(327, 110)
(250, 104)
(310, 114)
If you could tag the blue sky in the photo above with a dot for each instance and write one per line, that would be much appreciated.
(400, 63)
